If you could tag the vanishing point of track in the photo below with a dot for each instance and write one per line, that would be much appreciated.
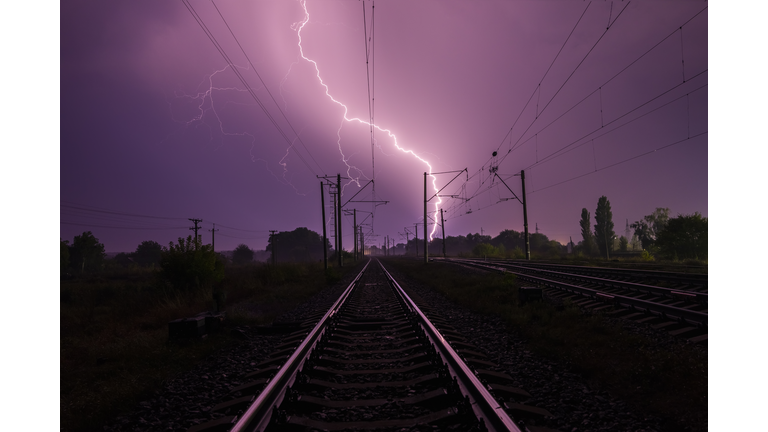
(375, 361)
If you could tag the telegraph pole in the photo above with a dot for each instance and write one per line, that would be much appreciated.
(213, 237)
(525, 219)
(338, 202)
(442, 224)
(196, 221)
(362, 241)
(354, 224)
(426, 245)
(325, 239)
(274, 241)
(406, 239)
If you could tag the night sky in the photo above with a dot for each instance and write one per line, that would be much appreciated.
(157, 128)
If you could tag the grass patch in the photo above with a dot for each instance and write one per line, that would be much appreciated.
(670, 383)
(114, 349)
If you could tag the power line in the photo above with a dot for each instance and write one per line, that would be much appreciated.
(121, 227)
(69, 208)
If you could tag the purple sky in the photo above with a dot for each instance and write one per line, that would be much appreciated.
(154, 122)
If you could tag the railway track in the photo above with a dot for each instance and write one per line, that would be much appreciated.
(695, 282)
(682, 313)
(376, 361)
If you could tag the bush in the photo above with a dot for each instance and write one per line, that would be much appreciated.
(485, 250)
(190, 266)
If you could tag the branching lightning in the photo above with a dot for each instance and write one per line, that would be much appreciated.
(298, 29)
(205, 104)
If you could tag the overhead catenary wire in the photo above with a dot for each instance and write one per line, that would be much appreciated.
(568, 148)
(480, 190)
(616, 75)
(569, 77)
(242, 79)
(266, 88)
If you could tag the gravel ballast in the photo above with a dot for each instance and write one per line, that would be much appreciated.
(186, 400)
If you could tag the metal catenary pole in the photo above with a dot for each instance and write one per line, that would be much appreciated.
(442, 224)
(338, 232)
(416, 233)
(426, 244)
(525, 219)
(354, 224)
(325, 239)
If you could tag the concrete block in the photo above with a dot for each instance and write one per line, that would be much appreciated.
(186, 328)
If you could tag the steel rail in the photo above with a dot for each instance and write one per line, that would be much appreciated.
(702, 298)
(482, 402)
(258, 415)
(670, 312)
(695, 278)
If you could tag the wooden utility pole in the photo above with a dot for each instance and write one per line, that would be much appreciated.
(325, 238)
(274, 246)
(196, 221)
(442, 224)
(213, 237)
(426, 244)
(525, 219)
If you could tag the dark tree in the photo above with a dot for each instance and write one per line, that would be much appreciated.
(123, 259)
(242, 254)
(623, 242)
(648, 229)
(510, 239)
(588, 242)
(684, 237)
(604, 234)
(87, 254)
(148, 253)
(63, 257)
(539, 243)
(300, 244)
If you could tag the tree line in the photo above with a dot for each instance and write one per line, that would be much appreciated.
(679, 238)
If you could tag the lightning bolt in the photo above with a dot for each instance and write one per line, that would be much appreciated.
(204, 102)
(298, 29)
